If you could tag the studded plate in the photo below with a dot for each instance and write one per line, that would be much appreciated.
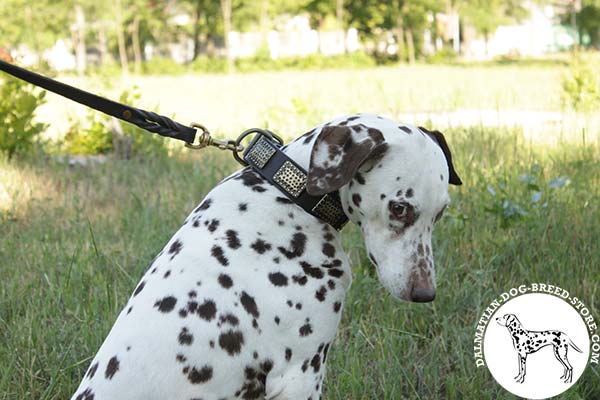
(330, 211)
(260, 153)
(290, 178)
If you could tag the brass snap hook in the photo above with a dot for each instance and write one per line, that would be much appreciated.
(205, 139)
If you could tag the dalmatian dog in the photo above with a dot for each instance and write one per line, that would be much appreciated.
(528, 342)
(245, 299)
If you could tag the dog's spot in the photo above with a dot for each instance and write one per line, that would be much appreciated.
(306, 329)
(214, 224)
(243, 207)
(207, 310)
(296, 247)
(278, 279)
(217, 252)
(300, 279)
(231, 341)
(249, 304)
(225, 281)
(229, 319)
(139, 288)
(277, 320)
(166, 304)
(382, 196)
(359, 178)
(336, 306)
(356, 199)
(233, 241)
(405, 129)
(283, 200)
(335, 272)
(288, 354)
(203, 206)
(87, 394)
(175, 248)
(202, 375)
(311, 271)
(409, 193)
(320, 294)
(316, 363)
(111, 368)
(92, 371)
(260, 246)
(185, 337)
(329, 250)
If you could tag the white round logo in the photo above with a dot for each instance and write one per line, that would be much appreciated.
(536, 345)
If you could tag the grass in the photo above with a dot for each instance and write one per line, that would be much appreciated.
(75, 241)
(288, 102)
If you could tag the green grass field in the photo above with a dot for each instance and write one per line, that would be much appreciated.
(75, 241)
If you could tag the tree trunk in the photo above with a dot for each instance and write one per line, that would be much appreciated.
(339, 13)
(196, 38)
(80, 39)
(399, 33)
(226, 10)
(486, 41)
(102, 44)
(135, 39)
(121, 39)
(410, 42)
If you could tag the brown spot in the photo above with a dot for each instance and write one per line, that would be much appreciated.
(278, 279)
(231, 341)
(185, 337)
(249, 304)
(217, 252)
(233, 240)
(202, 375)
(260, 246)
(207, 310)
(225, 281)
(139, 288)
(305, 329)
(296, 248)
(92, 371)
(166, 304)
(111, 368)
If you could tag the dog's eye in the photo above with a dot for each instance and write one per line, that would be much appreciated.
(399, 209)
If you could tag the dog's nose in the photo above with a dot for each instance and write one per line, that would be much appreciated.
(422, 295)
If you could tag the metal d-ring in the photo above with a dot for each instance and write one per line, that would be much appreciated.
(205, 139)
(264, 132)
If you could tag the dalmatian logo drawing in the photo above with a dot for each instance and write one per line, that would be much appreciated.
(528, 342)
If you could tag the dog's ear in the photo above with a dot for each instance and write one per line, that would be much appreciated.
(338, 153)
(437, 137)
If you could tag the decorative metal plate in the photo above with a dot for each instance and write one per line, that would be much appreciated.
(260, 153)
(290, 178)
(330, 211)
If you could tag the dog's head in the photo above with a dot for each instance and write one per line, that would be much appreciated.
(508, 320)
(393, 182)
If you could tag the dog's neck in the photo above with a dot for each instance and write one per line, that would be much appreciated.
(300, 152)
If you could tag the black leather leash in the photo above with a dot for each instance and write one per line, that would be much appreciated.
(147, 120)
(264, 153)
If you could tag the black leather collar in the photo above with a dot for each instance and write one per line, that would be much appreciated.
(266, 158)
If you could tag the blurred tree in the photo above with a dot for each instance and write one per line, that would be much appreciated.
(403, 17)
(486, 15)
(584, 17)
(206, 22)
(36, 24)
